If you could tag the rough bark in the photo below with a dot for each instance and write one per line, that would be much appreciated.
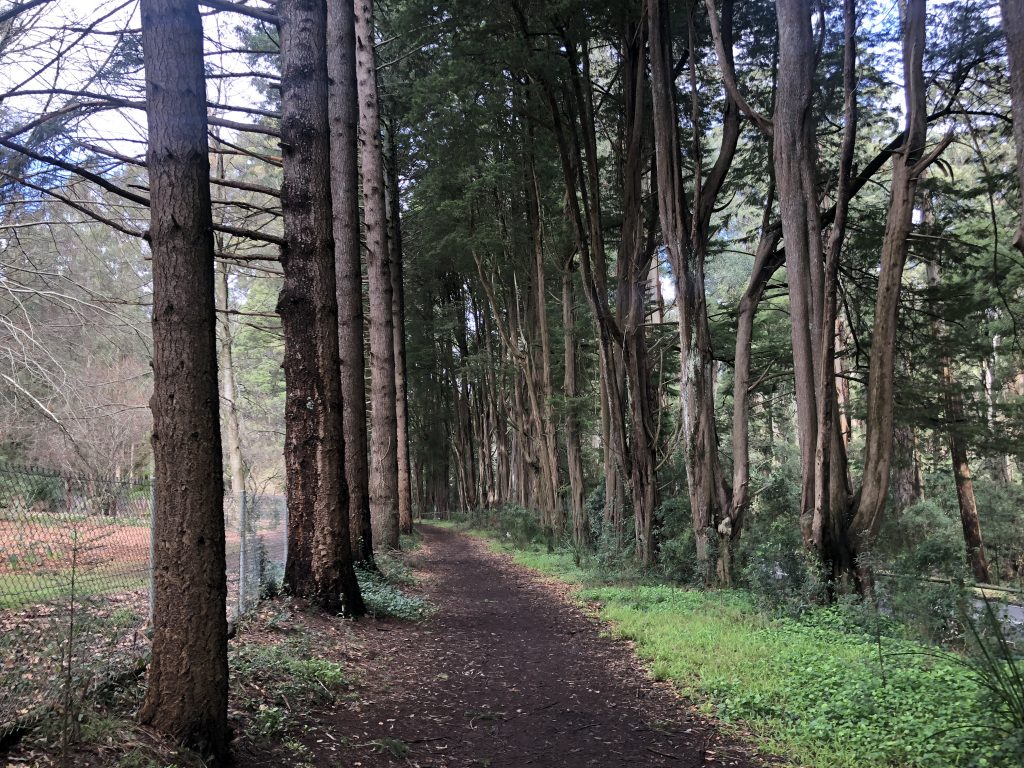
(394, 204)
(794, 163)
(633, 265)
(1013, 25)
(955, 418)
(319, 566)
(383, 397)
(908, 165)
(906, 487)
(344, 125)
(570, 388)
(187, 691)
(685, 233)
(831, 492)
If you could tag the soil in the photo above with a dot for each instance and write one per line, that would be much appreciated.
(509, 671)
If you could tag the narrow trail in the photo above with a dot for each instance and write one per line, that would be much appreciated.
(509, 673)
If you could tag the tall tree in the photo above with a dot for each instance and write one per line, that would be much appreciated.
(686, 232)
(187, 693)
(319, 566)
(344, 118)
(1013, 24)
(383, 397)
(394, 203)
(795, 165)
(908, 165)
(953, 402)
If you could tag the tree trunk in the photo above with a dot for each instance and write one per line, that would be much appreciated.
(344, 121)
(633, 265)
(766, 261)
(955, 419)
(573, 449)
(1013, 24)
(906, 489)
(319, 566)
(548, 439)
(685, 234)
(962, 477)
(794, 161)
(907, 167)
(236, 471)
(831, 484)
(583, 194)
(394, 201)
(187, 691)
(383, 406)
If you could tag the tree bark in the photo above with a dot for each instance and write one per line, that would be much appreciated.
(570, 388)
(383, 406)
(319, 566)
(794, 162)
(344, 122)
(831, 491)
(187, 692)
(955, 419)
(1013, 25)
(907, 167)
(633, 265)
(685, 233)
(394, 201)
(548, 438)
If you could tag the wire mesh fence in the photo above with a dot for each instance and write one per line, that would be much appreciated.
(76, 578)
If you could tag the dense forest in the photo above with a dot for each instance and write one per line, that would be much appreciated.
(726, 292)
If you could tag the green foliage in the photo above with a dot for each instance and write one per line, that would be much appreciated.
(821, 694)
(835, 687)
(777, 568)
(384, 599)
(271, 573)
(519, 526)
(997, 665)
(284, 674)
(394, 570)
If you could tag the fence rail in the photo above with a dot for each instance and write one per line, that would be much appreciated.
(76, 578)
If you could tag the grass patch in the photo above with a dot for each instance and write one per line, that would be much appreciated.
(816, 690)
(21, 589)
(283, 674)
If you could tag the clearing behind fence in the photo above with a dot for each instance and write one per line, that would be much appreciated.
(75, 581)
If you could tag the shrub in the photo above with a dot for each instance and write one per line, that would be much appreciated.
(384, 599)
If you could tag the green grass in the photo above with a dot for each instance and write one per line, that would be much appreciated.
(20, 589)
(815, 690)
(283, 674)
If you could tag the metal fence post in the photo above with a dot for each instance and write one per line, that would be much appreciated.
(152, 549)
(242, 559)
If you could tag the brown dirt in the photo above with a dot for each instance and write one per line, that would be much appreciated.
(508, 672)
(46, 548)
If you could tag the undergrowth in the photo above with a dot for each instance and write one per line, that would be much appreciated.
(382, 595)
(825, 688)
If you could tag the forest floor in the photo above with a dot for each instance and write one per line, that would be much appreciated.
(507, 671)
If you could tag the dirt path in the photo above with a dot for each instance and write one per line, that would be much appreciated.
(509, 673)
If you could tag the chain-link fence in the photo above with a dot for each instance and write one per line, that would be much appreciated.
(76, 575)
